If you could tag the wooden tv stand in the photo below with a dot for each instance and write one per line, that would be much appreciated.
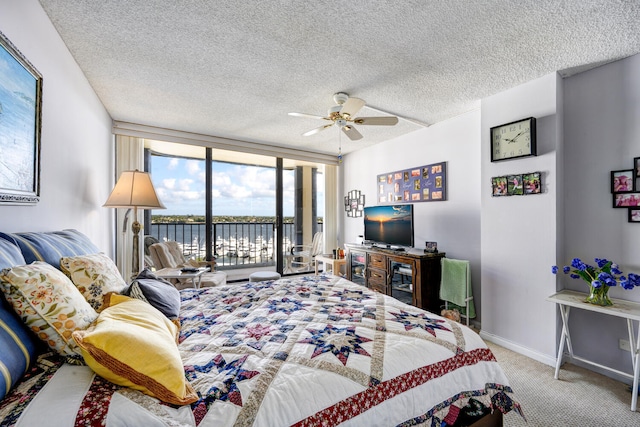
(383, 269)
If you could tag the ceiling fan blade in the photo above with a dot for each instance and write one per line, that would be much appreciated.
(311, 116)
(352, 133)
(381, 121)
(352, 106)
(316, 130)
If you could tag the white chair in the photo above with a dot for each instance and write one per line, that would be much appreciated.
(304, 256)
(169, 255)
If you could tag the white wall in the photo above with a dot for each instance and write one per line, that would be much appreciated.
(77, 163)
(602, 134)
(454, 223)
(519, 232)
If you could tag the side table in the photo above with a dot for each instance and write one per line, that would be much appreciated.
(177, 273)
(328, 259)
(626, 309)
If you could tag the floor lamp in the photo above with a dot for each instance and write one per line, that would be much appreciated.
(134, 189)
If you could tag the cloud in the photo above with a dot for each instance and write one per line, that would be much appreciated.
(173, 163)
(236, 189)
(193, 167)
(169, 183)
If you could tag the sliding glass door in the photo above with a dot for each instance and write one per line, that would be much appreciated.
(247, 210)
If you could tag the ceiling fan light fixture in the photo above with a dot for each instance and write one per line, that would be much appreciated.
(340, 97)
(344, 113)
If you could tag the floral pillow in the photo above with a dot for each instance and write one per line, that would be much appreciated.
(95, 276)
(48, 303)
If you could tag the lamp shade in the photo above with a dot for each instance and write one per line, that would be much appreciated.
(134, 189)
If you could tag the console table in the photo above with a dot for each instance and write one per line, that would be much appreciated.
(625, 309)
(376, 268)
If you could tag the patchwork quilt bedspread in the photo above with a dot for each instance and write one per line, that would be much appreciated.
(307, 351)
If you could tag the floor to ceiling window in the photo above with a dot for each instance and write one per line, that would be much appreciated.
(254, 221)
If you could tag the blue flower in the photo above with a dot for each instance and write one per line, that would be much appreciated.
(626, 284)
(601, 262)
(604, 273)
(578, 264)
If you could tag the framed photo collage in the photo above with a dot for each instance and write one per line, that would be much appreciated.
(626, 190)
(426, 183)
(517, 184)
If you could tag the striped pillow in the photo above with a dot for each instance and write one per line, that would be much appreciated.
(10, 254)
(18, 348)
(51, 246)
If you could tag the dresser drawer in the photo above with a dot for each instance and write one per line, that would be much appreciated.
(377, 280)
(378, 261)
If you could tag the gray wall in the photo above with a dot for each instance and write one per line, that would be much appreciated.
(602, 133)
(519, 232)
(455, 223)
(77, 150)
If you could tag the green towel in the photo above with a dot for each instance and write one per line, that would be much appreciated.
(456, 284)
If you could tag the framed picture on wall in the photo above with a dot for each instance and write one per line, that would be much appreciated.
(636, 166)
(499, 186)
(532, 183)
(626, 200)
(634, 215)
(623, 181)
(21, 118)
(514, 185)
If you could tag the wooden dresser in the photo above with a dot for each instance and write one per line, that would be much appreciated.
(411, 276)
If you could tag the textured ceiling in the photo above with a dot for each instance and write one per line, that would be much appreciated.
(235, 69)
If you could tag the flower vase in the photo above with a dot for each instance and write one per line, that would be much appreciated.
(599, 296)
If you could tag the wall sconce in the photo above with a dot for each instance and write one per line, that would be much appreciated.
(354, 203)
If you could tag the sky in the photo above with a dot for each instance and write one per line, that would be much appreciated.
(237, 189)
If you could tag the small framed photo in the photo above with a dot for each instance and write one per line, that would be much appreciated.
(514, 185)
(634, 215)
(431, 247)
(622, 181)
(532, 183)
(499, 186)
(626, 200)
(636, 166)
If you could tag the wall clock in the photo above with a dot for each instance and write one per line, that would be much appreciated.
(513, 140)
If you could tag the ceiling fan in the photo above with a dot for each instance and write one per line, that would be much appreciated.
(342, 115)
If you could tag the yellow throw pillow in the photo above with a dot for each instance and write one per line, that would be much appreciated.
(133, 344)
(48, 303)
(95, 276)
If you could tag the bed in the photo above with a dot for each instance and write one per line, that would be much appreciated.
(304, 351)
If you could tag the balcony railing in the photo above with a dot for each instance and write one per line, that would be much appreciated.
(237, 244)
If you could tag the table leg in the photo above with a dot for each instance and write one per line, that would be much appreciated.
(635, 360)
(564, 313)
(317, 262)
(287, 264)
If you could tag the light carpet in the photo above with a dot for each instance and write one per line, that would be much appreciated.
(580, 398)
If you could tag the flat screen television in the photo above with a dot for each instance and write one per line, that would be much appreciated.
(389, 225)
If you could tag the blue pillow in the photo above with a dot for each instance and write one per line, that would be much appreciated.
(158, 292)
(19, 348)
(51, 246)
(10, 254)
